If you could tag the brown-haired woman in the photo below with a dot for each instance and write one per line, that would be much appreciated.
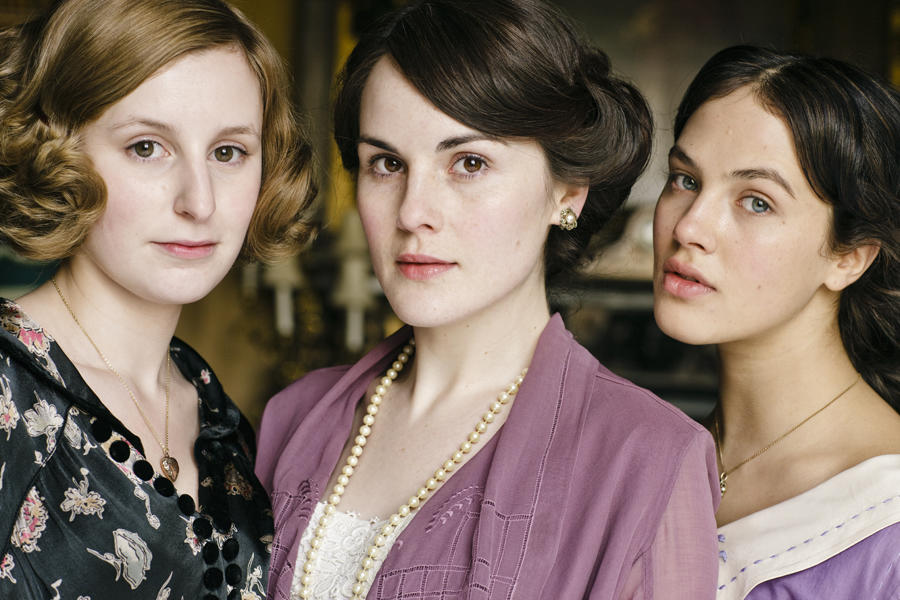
(776, 239)
(489, 144)
(145, 143)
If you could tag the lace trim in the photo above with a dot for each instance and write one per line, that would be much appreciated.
(346, 541)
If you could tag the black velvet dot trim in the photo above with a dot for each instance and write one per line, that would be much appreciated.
(210, 552)
(101, 430)
(186, 504)
(212, 578)
(143, 469)
(233, 574)
(119, 450)
(230, 549)
(210, 597)
(222, 522)
(163, 486)
(202, 528)
(234, 595)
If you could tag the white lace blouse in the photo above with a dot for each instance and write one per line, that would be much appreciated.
(346, 541)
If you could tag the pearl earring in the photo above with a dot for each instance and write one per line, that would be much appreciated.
(567, 219)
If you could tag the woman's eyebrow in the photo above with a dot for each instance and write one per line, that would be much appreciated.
(364, 139)
(465, 139)
(765, 173)
(750, 173)
(162, 126)
(443, 145)
(679, 154)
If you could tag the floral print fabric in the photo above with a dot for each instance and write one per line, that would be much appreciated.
(84, 517)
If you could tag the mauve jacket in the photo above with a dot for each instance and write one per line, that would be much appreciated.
(593, 488)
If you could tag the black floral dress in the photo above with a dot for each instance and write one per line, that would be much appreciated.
(84, 517)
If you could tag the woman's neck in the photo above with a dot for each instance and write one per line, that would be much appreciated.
(768, 386)
(485, 352)
(792, 415)
(132, 334)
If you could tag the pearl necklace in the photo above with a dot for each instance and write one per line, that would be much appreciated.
(415, 501)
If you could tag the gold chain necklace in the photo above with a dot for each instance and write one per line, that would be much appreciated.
(723, 476)
(415, 501)
(167, 463)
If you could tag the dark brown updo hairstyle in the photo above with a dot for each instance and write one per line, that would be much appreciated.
(61, 72)
(514, 69)
(845, 125)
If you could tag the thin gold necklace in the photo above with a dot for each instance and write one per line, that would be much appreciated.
(416, 500)
(723, 476)
(167, 463)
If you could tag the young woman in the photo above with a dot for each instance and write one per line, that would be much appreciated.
(480, 451)
(146, 143)
(776, 238)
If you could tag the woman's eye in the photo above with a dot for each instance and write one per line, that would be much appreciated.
(685, 182)
(145, 148)
(227, 154)
(755, 205)
(385, 165)
(470, 164)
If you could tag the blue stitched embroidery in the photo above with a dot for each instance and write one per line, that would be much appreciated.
(723, 555)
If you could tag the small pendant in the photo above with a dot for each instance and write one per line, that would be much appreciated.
(722, 479)
(169, 467)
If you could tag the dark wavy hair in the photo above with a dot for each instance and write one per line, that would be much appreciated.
(514, 69)
(845, 125)
(62, 71)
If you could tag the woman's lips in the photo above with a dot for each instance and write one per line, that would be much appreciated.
(684, 281)
(188, 249)
(421, 267)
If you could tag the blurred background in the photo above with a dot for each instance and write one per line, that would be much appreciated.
(265, 326)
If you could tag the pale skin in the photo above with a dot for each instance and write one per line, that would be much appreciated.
(181, 159)
(739, 216)
(480, 209)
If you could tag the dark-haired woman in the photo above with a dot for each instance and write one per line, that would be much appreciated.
(145, 144)
(480, 452)
(776, 238)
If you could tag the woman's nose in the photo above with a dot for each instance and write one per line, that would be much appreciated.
(195, 196)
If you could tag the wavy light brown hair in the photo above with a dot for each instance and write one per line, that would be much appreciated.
(62, 71)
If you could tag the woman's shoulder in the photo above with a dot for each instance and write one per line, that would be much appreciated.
(297, 397)
(603, 400)
(33, 392)
(300, 396)
(610, 396)
(26, 348)
(639, 406)
(287, 410)
(285, 433)
(849, 519)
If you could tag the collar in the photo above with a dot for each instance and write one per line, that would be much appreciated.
(809, 528)
(34, 348)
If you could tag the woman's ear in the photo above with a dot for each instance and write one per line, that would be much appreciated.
(568, 195)
(849, 266)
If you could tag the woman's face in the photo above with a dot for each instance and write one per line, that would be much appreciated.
(181, 157)
(740, 238)
(456, 220)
